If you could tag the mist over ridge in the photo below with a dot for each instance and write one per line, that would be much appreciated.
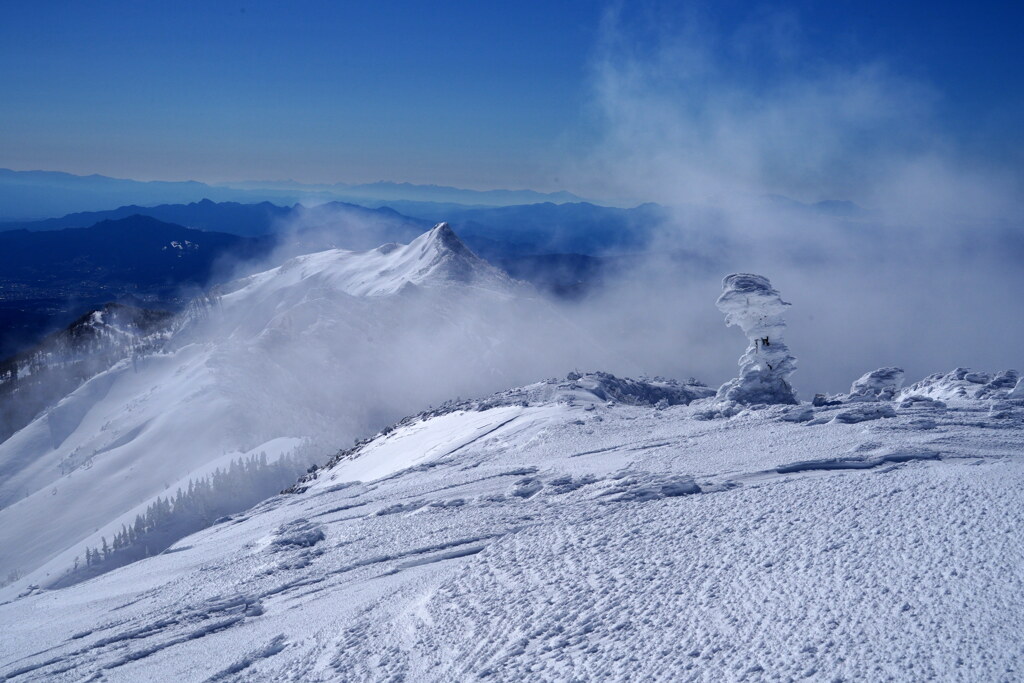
(460, 341)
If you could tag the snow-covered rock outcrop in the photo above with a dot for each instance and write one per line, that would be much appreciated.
(656, 392)
(882, 384)
(965, 383)
(751, 302)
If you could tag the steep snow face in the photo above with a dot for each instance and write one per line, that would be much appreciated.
(551, 533)
(750, 302)
(294, 361)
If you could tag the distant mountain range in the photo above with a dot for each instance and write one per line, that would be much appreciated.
(240, 219)
(383, 191)
(34, 195)
(250, 220)
(495, 232)
(55, 269)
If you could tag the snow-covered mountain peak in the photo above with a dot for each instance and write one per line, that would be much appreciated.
(442, 238)
(435, 258)
(438, 255)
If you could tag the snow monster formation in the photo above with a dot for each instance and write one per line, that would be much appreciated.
(751, 302)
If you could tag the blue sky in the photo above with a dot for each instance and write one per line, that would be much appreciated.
(463, 93)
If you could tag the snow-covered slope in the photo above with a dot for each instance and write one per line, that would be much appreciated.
(296, 360)
(590, 529)
(32, 380)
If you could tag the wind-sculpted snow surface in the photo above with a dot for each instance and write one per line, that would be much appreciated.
(750, 302)
(554, 532)
(596, 386)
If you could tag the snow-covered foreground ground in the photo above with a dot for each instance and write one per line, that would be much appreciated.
(551, 534)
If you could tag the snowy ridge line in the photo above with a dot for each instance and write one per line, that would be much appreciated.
(601, 386)
(638, 486)
(245, 367)
(852, 410)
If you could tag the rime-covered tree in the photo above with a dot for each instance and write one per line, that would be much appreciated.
(750, 302)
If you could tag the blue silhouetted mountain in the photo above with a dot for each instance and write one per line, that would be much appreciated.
(495, 232)
(49, 278)
(249, 220)
(561, 248)
(233, 217)
(385, 191)
(137, 251)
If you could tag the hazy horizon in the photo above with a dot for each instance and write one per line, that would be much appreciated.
(800, 100)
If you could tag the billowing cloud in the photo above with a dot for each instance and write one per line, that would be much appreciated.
(914, 261)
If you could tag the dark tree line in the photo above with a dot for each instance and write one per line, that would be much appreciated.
(167, 519)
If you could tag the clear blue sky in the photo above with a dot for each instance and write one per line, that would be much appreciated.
(474, 94)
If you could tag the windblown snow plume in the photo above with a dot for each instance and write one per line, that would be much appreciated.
(750, 302)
